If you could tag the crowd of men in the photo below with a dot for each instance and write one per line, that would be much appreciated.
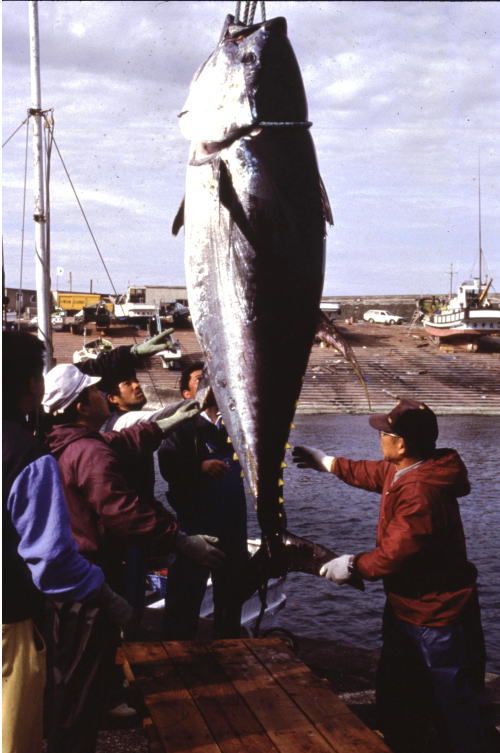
(81, 525)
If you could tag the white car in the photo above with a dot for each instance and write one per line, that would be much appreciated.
(380, 316)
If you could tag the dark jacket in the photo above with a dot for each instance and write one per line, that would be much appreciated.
(420, 549)
(112, 366)
(204, 504)
(107, 509)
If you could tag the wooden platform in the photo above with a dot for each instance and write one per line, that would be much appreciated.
(240, 696)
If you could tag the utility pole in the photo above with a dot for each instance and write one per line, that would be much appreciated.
(42, 262)
(451, 279)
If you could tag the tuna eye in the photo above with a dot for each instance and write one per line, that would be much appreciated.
(249, 57)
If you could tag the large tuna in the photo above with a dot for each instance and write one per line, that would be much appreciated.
(254, 215)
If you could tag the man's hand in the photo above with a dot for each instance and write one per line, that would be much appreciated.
(200, 548)
(215, 468)
(154, 345)
(188, 409)
(114, 606)
(311, 457)
(339, 570)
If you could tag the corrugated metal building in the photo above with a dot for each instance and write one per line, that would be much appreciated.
(159, 295)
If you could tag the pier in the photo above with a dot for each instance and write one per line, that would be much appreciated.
(248, 695)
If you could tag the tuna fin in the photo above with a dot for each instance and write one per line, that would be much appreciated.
(331, 335)
(229, 198)
(304, 556)
(294, 554)
(179, 218)
(327, 209)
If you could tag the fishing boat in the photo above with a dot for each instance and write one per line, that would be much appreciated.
(92, 349)
(469, 314)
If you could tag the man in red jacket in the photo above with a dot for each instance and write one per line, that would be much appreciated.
(107, 512)
(433, 648)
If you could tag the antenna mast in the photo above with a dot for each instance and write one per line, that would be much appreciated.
(450, 273)
(42, 261)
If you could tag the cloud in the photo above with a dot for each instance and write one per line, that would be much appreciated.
(402, 96)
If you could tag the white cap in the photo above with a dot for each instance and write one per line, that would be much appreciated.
(63, 384)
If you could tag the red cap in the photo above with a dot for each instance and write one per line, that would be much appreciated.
(410, 420)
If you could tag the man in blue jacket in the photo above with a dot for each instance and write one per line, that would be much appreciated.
(39, 555)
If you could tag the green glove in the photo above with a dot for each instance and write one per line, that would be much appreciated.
(188, 409)
(200, 548)
(114, 606)
(154, 345)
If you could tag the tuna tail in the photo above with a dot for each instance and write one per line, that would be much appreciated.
(328, 333)
(284, 554)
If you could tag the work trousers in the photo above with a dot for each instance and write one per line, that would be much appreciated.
(186, 586)
(23, 681)
(433, 675)
(81, 644)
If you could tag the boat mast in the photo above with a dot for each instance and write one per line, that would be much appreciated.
(479, 221)
(42, 262)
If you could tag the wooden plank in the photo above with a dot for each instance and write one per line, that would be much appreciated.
(178, 723)
(122, 660)
(233, 725)
(155, 744)
(285, 723)
(331, 717)
(138, 652)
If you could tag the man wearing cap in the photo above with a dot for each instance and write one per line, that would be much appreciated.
(126, 400)
(106, 509)
(433, 648)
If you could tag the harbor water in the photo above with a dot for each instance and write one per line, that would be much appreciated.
(322, 508)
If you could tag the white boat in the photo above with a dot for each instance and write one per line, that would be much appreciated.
(275, 598)
(467, 315)
(91, 350)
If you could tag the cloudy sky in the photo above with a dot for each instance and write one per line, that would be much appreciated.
(403, 96)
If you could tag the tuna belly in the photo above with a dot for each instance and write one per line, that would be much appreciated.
(254, 268)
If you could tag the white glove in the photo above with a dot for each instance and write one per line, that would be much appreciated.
(311, 457)
(338, 570)
(200, 549)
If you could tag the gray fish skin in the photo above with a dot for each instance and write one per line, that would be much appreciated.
(254, 220)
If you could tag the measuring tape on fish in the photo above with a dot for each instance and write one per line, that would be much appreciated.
(284, 124)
